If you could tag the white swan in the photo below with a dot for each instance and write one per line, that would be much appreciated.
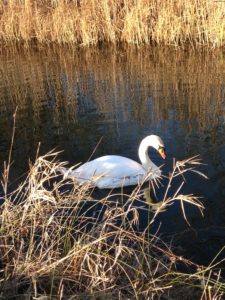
(112, 171)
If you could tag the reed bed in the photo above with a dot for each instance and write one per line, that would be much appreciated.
(90, 22)
(58, 242)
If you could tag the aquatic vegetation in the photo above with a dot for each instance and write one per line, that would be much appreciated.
(57, 240)
(90, 22)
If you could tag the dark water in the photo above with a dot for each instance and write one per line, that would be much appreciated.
(73, 99)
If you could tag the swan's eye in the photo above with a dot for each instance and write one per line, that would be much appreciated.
(162, 148)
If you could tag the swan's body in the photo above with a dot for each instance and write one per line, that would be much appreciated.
(112, 171)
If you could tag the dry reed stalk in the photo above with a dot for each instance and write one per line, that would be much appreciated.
(89, 22)
(57, 240)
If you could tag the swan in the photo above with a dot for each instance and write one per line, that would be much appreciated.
(113, 171)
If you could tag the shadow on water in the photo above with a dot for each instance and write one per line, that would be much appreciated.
(72, 100)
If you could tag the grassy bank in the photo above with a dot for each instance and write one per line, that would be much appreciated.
(61, 243)
(89, 22)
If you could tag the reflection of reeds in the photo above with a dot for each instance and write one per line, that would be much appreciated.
(70, 99)
(89, 22)
(188, 85)
(58, 241)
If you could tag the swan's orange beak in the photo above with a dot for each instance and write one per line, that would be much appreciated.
(162, 152)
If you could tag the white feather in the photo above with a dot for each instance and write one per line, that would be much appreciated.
(112, 171)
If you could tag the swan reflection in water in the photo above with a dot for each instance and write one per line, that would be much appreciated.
(153, 203)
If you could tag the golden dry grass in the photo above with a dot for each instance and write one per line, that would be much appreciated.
(90, 22)
(57, 241)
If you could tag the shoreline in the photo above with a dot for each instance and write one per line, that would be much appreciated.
(50, 247)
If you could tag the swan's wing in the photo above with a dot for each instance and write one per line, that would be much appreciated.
(109, 166)
(110, 172)
(115, 182)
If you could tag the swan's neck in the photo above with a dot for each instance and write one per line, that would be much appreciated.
(144, 157)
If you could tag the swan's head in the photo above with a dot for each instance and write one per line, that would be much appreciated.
(155, 142)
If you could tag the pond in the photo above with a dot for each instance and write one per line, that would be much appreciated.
(75, 100)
